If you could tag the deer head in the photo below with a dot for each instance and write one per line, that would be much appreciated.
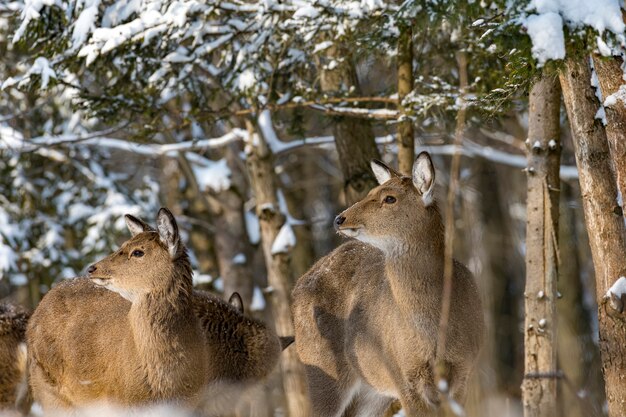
(143, 263)
(397, 212)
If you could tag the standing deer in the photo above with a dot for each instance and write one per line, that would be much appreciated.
(366, 316)
(14, 394)
(134, 332)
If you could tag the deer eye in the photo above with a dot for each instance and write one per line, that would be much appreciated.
(137, 253)
(389, 199)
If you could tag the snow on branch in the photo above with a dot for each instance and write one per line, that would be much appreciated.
(96, 139)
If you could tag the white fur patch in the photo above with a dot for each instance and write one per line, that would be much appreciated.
(423, 175)
(380, 172)
(130, 296)
(350, 232)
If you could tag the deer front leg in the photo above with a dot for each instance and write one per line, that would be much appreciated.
(419, 395)
(329, 396)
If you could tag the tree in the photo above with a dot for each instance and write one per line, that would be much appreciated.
(604, 220)
(543, 182)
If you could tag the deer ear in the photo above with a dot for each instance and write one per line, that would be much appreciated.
(381, 171)
(236, 301)
(168, 231)
(136, 226)
(423, 175)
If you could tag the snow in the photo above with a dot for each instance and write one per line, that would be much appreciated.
(252, 227)
(599, 14)
(545, 28)
(546, 33)
(618, 96)
(30, 12)
(239, 259)
(306, 12)
(85, 23)
(202, 279)
(246, 80)
(603, 48)
(258, 301)
(213, 175)
(284, 241)
(618, 288)
(42, 68)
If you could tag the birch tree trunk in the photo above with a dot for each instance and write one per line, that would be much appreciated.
(354, 138)
(542, 213)
(610, 75)
(261, 170)
(406, 139)
(605, 224)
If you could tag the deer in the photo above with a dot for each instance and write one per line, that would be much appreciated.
(133, 332)
(366, 316)
(14, 393)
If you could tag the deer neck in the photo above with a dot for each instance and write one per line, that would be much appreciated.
(415, 275)
(163, 332)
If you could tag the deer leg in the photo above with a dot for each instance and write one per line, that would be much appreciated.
(368, 403)
(418, 394)
(329, 396)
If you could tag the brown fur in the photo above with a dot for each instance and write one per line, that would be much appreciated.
(88, 343)
(13, 389)
(366, 316)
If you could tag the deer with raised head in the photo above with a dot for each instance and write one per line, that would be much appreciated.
(366, 316)
(14, 393)
(134, 332)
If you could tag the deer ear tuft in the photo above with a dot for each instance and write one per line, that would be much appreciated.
(423, 175)
(168, 231)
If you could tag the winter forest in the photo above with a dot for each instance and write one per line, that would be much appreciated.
(255, 123)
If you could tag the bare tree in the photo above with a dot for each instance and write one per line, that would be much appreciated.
(261, 171)
(406, 140)
(354, 138)
(603, 217)
(542, 213)
(610, 77)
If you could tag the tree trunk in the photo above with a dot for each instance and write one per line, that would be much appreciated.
(231, 239)
(605, 224)
(542, 213)
(610, 75)
(356, 145)
(261, 171)
(406, 140)
(578, 355)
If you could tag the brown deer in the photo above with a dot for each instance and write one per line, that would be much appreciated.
(14, 393)
(134, 332)
(366, 316)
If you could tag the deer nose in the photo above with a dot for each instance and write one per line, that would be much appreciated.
(92, 269)
(339, 220)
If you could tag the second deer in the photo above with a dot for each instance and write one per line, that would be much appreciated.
(366, 316)
(134, 332)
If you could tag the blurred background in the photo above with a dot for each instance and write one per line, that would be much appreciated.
(283, 109)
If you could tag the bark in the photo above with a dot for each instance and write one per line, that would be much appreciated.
(406, 140)
(232, 247)
(261, 171)
(604, 221)
(610, 76)
(354, 138)
(578, 355)
(542, 212)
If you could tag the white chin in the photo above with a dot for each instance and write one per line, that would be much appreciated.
(101, 282)
(350, 232)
